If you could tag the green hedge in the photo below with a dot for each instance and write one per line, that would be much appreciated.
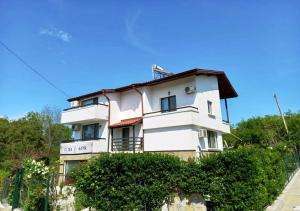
(128, 181)
(247, 178)
(243, 179)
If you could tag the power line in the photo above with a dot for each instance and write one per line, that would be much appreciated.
(33, 69)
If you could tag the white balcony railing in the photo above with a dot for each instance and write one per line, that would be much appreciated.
(187, 115)
(83, 147)
(82, 114)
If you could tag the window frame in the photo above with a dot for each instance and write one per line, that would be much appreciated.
(212, 134)
(210, 107)
(96, 128)
(95, 101)
(169, 104)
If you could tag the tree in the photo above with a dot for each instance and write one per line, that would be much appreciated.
(265, 131)
(36, 135)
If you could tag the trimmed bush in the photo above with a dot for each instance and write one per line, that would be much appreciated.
(243, 179)
(247, 178)
(128, 181)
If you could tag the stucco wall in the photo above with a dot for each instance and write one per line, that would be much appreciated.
(169, 139)
(173, 88)
(115, 115)
(130, 105)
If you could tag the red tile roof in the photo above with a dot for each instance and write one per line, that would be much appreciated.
(127, 122)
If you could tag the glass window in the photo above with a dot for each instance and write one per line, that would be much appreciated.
(168, 104)
(172, 102)
(209, 107)
(164, 104)
(90, 131)
(212, 139)
(91, 101)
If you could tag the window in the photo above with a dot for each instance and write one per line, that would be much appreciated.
(212, 139)
(70, 164)
(92, 101)
(168, 104)
(90, 131)
(209, 107)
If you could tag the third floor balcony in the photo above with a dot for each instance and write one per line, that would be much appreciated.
(85, 114)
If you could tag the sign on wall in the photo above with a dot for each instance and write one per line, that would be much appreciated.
(76, 147)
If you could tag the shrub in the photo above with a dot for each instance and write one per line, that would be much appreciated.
(3, 176)
(129, 181)
(244, 179)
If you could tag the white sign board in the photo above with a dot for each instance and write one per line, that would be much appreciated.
(76, 147)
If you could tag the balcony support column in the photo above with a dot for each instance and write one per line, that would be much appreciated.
(112, 139)
(133, 136)
(226, 107)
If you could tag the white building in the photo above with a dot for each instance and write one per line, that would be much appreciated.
(178, 114)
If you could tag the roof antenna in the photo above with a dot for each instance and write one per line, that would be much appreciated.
(158, 72)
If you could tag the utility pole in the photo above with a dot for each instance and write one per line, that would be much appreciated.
(283, 119)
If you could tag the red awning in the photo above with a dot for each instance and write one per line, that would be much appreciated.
(128, 122)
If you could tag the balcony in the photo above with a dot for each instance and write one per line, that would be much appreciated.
(187, 115)
(73, 147)
(130, 144)
(85, 114)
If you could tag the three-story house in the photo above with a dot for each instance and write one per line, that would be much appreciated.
(179, 114)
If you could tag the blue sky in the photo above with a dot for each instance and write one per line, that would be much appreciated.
(83, 46)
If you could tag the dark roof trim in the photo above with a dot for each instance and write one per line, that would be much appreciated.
(225, 87)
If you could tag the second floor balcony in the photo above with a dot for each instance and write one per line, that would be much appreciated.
(85, 114)
(186, 115)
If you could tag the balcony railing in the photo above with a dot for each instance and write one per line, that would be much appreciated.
(83, 146)
(88, 113)
(132, 144)
(186, 115)
(76, 140)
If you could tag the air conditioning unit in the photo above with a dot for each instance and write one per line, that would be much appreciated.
(202, 133)
(74, 103)
(190, 89)
(76, 127)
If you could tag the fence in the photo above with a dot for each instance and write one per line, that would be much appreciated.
(292, 163)
(17, 191)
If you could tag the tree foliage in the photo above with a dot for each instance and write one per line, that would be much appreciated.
(35, 135)
(265, 131)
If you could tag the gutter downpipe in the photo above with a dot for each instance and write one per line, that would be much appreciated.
(108, 124)
(142, 102)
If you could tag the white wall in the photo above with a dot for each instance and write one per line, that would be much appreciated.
(130, 106)
(177, 88)
(115, 101)
(208, 90)
(147, 98)
(170, 139)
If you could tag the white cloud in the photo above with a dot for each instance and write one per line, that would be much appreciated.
(57, 33)
(130, 23)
